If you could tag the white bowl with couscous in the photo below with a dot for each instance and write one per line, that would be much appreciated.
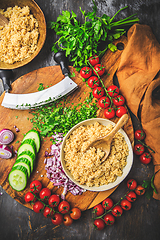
(85, 168)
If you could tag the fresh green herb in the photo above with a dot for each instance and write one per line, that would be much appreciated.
(81, 40)
(16, 117)
(57, 117)
(17, 141)
(41, 87)
(149, 186)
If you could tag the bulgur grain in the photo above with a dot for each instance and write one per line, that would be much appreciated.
(19, 38)
(87, 168)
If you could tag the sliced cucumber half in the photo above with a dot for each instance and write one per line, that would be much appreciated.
(27, 145)
(34, 135)
(18, 178)
(25, 163)
(30, 156)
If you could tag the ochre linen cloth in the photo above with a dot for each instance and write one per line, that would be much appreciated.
(138, 75)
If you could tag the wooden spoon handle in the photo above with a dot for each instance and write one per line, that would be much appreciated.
(121, 122)
(3, 20)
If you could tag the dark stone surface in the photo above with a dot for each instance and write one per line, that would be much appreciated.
(143, 220)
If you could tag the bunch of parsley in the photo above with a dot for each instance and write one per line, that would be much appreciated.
(81, 40)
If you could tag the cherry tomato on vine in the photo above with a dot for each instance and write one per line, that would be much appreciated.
(99, 68)
(38, 207)
(104, 102)
(107, 203)
(119, 100)
(109, 112)
(75, 213)
(29, 197)
(131, 196)
(99, 224)
(94, 60)
(64, 207)
(109, 219)
(86, 72)
(138, 149)
(67, 220)
(117, 211)
(131, 184)
(45, 193)
(48, 212)
(140, 190)
(113, 90)
(93, 82)
(145, 158)
(57, 219)
(121, 110)
(139, 134)
(35, 186)
(54, 200)
(98, 92)
(126, 205)
(98, 209)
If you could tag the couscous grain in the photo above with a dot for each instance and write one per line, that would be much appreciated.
(86, 167)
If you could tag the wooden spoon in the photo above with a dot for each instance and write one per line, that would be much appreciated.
(105, 142)
(3, 20)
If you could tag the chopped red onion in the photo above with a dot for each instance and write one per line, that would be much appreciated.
(54, 169)
(6, 136)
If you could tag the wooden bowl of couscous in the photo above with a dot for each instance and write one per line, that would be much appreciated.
(86, 169)
(24, 36)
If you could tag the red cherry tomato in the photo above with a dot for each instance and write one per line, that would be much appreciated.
(145, 158)
(99, 224)
(107, 203)
(98, 92)
(93, 82)
(86, 72)
(35, 186)
(94, 60)
(109, 112)
(29, 197)
(64, 207)
(48, 212)
(75, 213)
(126, 205)
(138, 149)
(113, 90)
(104, 102)
(98, 209)
(131, 196)
(54, 200)
(109, 219)
(121, 110)
(119, 100)
(117, 211)
(57, 219)
(67, 220)
(45, 193)
(131, 184)
(139, 134)
(38, 207)
(99, 69)
(140, 190)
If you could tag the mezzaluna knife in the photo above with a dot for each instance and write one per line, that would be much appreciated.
(36, 99)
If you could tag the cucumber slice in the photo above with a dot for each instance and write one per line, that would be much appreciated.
(18, 178)
(27, 145)
(33, 134)
(25, 163)
(30, 156)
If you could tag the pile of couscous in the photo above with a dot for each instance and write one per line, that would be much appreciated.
(18, 38)
(86, 167)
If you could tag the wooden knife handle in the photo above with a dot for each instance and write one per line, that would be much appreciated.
(62, 60)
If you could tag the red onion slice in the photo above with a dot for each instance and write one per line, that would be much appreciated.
(5, 152)
(6, 136)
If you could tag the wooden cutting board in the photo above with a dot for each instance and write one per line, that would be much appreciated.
(10, 118)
